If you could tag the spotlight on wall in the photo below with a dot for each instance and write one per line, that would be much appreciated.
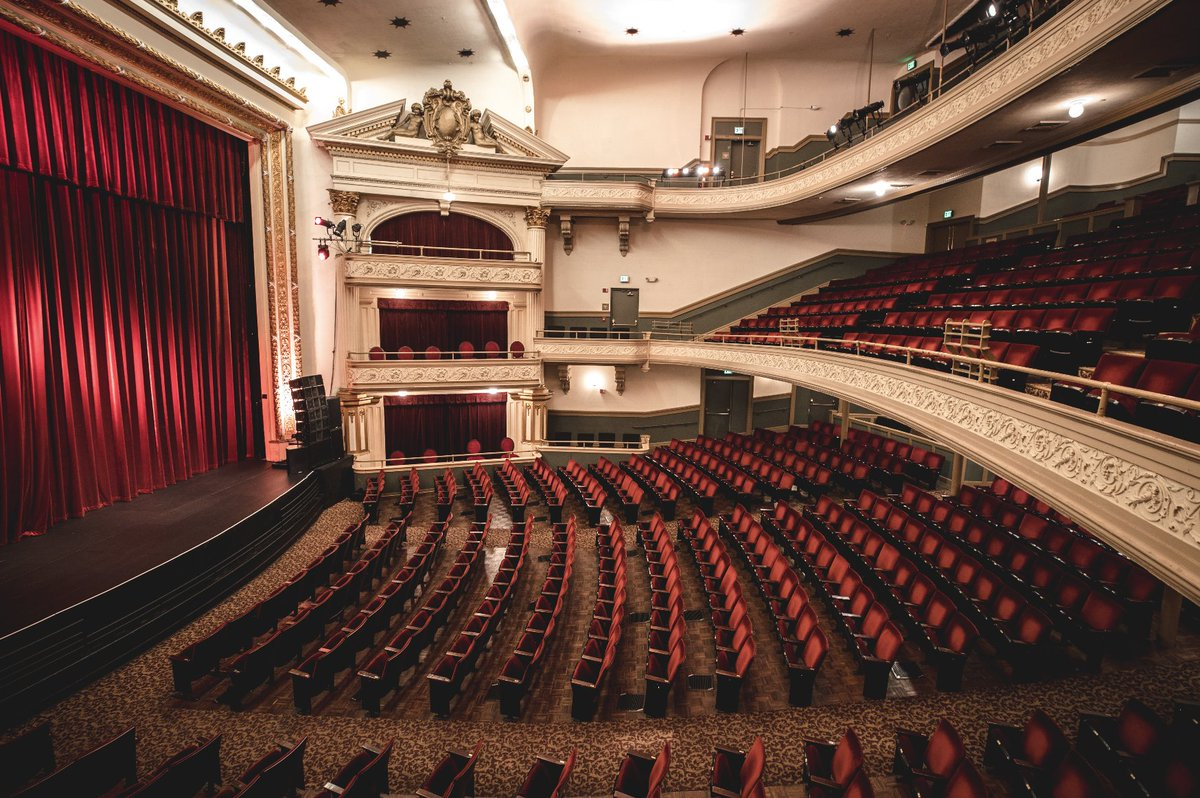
(323, 251)
(1075, 110)
(1033, 174)
(881, 188)
(323, 222)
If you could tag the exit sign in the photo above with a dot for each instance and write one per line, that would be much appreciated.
(911, 65)
(738, 130)
(946, 214)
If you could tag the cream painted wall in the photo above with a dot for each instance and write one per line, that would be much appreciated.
(661, 388)
(490, 87)
(764, 386)
(635, 113)
(695, 259)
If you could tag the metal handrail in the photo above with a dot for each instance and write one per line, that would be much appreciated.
(476, 253)
(419, 355)
(810, 341)
(419, 462)
(613, 446)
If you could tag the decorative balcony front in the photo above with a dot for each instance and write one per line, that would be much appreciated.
(432, 270)
(383, 372)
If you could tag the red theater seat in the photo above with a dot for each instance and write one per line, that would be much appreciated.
(738, 774)
(642, 775)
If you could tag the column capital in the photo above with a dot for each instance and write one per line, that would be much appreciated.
(536, 216)
(344, 202)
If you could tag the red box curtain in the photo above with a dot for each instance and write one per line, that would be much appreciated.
(444, 423)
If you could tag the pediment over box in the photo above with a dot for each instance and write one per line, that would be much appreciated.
(369, 134)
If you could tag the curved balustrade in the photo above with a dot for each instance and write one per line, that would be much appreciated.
(503, 369)
(1138, 489)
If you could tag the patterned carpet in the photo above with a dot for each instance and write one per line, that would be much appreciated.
(139, 694)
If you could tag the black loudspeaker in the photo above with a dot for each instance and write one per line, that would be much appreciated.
(318, 438)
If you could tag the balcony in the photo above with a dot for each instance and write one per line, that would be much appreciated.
(384, 372)
(439, 267)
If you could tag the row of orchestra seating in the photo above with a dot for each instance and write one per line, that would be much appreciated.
(700, 487)
(943, 629)
(286, 643)
(771, 478)
(804, 642)
(382, 672)
(372, 492)
(447, 676)
(733, 629)
(445, 488)
(316, 673)
(237, 634)
(666, 644)
(518, 672)
(466, 350)
(550, 485)
(514, 489)
(480, 483)
(408, 488)
(730, 478)
(604, 630)
(586, 487)
(623, 489)
(663, 490)
(780, 468)
(1137, 752)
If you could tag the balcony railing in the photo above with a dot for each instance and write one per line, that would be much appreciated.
(376, 247)
(373, 357)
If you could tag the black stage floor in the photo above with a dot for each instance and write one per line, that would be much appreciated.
(82, 557)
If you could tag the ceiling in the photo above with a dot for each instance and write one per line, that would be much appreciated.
(351, 31)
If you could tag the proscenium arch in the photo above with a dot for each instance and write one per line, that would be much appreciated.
(1136, 489)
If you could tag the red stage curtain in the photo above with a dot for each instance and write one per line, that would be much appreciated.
(431, 229)
(419, 323)
(127, 319)
(444, 422)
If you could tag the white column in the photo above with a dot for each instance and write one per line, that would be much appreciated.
(535, 242)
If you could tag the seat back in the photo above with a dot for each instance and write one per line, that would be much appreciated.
(847, 759)
(658, 773)
(966, 782)
(752, 768)
(944, 751)
(1139, 729)
(1044, 744)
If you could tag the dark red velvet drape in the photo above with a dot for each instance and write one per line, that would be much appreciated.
(444, 423)
(419, 323)
(126, 293)
(431, 229)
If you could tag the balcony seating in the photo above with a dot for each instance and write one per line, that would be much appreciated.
(404, 353)
(280, 772)
(474, 446)
(738, 774)
(830, 767)
(25, 757)
(491, 349)
(586, 487)
(520, 669)
(364, 776)
(459, 661)
(466, 350)
(376, 353)
(433, 353)
(604, 636)
(547, 778)
(928, 762)
(105, 768)
(507, 444)
(550, 486)
(453, 777)
(382, 672)
(195, 768)
(517, 349)
(429, 456)
(642, 775)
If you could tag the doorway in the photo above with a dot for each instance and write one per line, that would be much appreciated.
(725, 401)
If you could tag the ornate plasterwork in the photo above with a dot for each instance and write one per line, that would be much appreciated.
(344, 202)
(398, 270)
(536, 217)
(479, 372)
(622, 196)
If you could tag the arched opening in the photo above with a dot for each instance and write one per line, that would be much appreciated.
(428, 233)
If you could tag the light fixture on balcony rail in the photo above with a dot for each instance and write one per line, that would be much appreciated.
(335, 234)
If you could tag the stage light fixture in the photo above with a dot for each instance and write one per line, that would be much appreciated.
(339, 229)
(323, 251)
(881, 188)
(833, 129)
(322, 222)
(1075, 110)
(356, 228)
(701, 170)
(992, 10)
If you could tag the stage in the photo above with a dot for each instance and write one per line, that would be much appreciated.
(95, 590)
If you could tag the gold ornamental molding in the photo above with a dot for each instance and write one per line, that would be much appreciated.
(92, 40)
(344, 202)
(398, 270)
(536, 217)
(216, 37)
(1138, 490)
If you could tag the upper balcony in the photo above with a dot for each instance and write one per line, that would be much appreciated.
(378, 371)
(393, 264)
(1132, 58)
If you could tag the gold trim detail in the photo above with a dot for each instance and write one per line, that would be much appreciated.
(344, 202)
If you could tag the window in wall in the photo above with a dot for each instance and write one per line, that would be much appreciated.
(739, 147)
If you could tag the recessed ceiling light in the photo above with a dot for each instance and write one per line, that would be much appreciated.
(466, 52)
(737, 32)
(844, 32)
(1075, 110)
(329, 2)
(383, 54)
(631, 31)
(400, 22)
